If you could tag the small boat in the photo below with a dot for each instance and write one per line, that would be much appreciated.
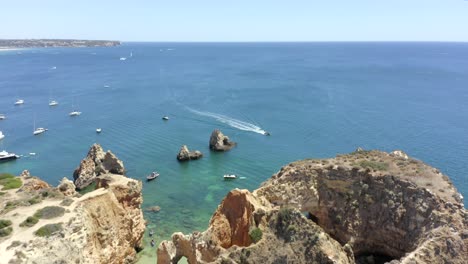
(165, 118)
(152, 176)
(106, 86)
(122, 58)
(19, 102)
(2, 117)
(230, 176)
(266, 133)
(39, 130)
(74, 113)
(32, 153)
(53, 103)
(4, 156)
(98, 130)
(54, 68)
(1, 135)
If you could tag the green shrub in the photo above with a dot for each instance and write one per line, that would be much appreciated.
(10, 182)
(4, 223)
(30, 221)
(256, 234)
(6, 231)
(67, 202)
(49, 212)
(6, 176)
(285, 216)
(2, 193)
(48, 230)
(35, 200)
(14, 244)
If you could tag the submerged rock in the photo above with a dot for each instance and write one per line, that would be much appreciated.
(220, 142)
(367, 205)
(96, 163)
(184, 154)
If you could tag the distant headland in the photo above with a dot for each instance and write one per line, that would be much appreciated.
(51, 43)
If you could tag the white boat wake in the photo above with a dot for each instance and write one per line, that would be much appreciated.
(242, 125)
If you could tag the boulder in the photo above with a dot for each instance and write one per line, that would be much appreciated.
(220, 142)
(31, 184)
(66, 187)
(185, 154)
(96, 163)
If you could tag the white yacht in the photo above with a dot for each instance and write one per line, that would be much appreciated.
(39, 130)
(165, 118)
(230, 176)
(19, 102)
(2, 117)
(7, 156)
(1, 135)
(53, 103)
(98, 130)
(74, 113)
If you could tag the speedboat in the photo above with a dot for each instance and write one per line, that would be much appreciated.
(122, 58)
(2, 117)
(266, 133)
(4, 156)
(53, 103)
(230, 176)
(39, 130)
(165, 118)
(19, 102)
(74, 113)
(1, 135)
(98, 130)
(152, 176)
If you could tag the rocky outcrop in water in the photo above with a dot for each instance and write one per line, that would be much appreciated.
(96, 163)
(363, 207)
(220, 142)
(185, 154)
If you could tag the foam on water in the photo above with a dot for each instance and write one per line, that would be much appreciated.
(236, 123)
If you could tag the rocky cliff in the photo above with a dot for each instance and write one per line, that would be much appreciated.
(220, 142)
(58, 225)
(96, 163)
(363, 207)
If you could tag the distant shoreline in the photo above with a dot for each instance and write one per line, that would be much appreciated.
(9, 44)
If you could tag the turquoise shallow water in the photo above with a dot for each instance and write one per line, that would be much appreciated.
(317, 100)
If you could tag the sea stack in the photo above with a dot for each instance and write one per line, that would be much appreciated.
(185, 154)
(362, 207)
(96, 163)
(220, 142)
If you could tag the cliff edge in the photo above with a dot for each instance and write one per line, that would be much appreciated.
(362, 207)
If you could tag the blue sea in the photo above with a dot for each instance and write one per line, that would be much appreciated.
(316, 99)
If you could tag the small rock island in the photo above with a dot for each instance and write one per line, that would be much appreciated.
(185, 154)
(55, 43)
(220, 142)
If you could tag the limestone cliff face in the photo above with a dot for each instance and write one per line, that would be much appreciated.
(102, 226)
(185, 154)
(363, 207)
(97, 162)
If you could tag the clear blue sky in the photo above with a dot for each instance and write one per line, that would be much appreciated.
(237, 20)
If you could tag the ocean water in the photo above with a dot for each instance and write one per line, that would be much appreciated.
(316, 99)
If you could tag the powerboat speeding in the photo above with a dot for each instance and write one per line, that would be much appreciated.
(74, 113)
(266, 133)
(230, 176)
(19, 102)
(39, 130)
(152, 176)
(4, 156)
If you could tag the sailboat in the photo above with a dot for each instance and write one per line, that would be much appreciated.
(38, 130)
(52, 102)
(74, 112)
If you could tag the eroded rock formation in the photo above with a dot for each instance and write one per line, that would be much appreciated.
(96, 163)
(103, 226)
(66, 187)
(363, 207)
(184, 154)
(220, 142)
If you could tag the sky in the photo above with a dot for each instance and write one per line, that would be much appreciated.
(236, 20)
